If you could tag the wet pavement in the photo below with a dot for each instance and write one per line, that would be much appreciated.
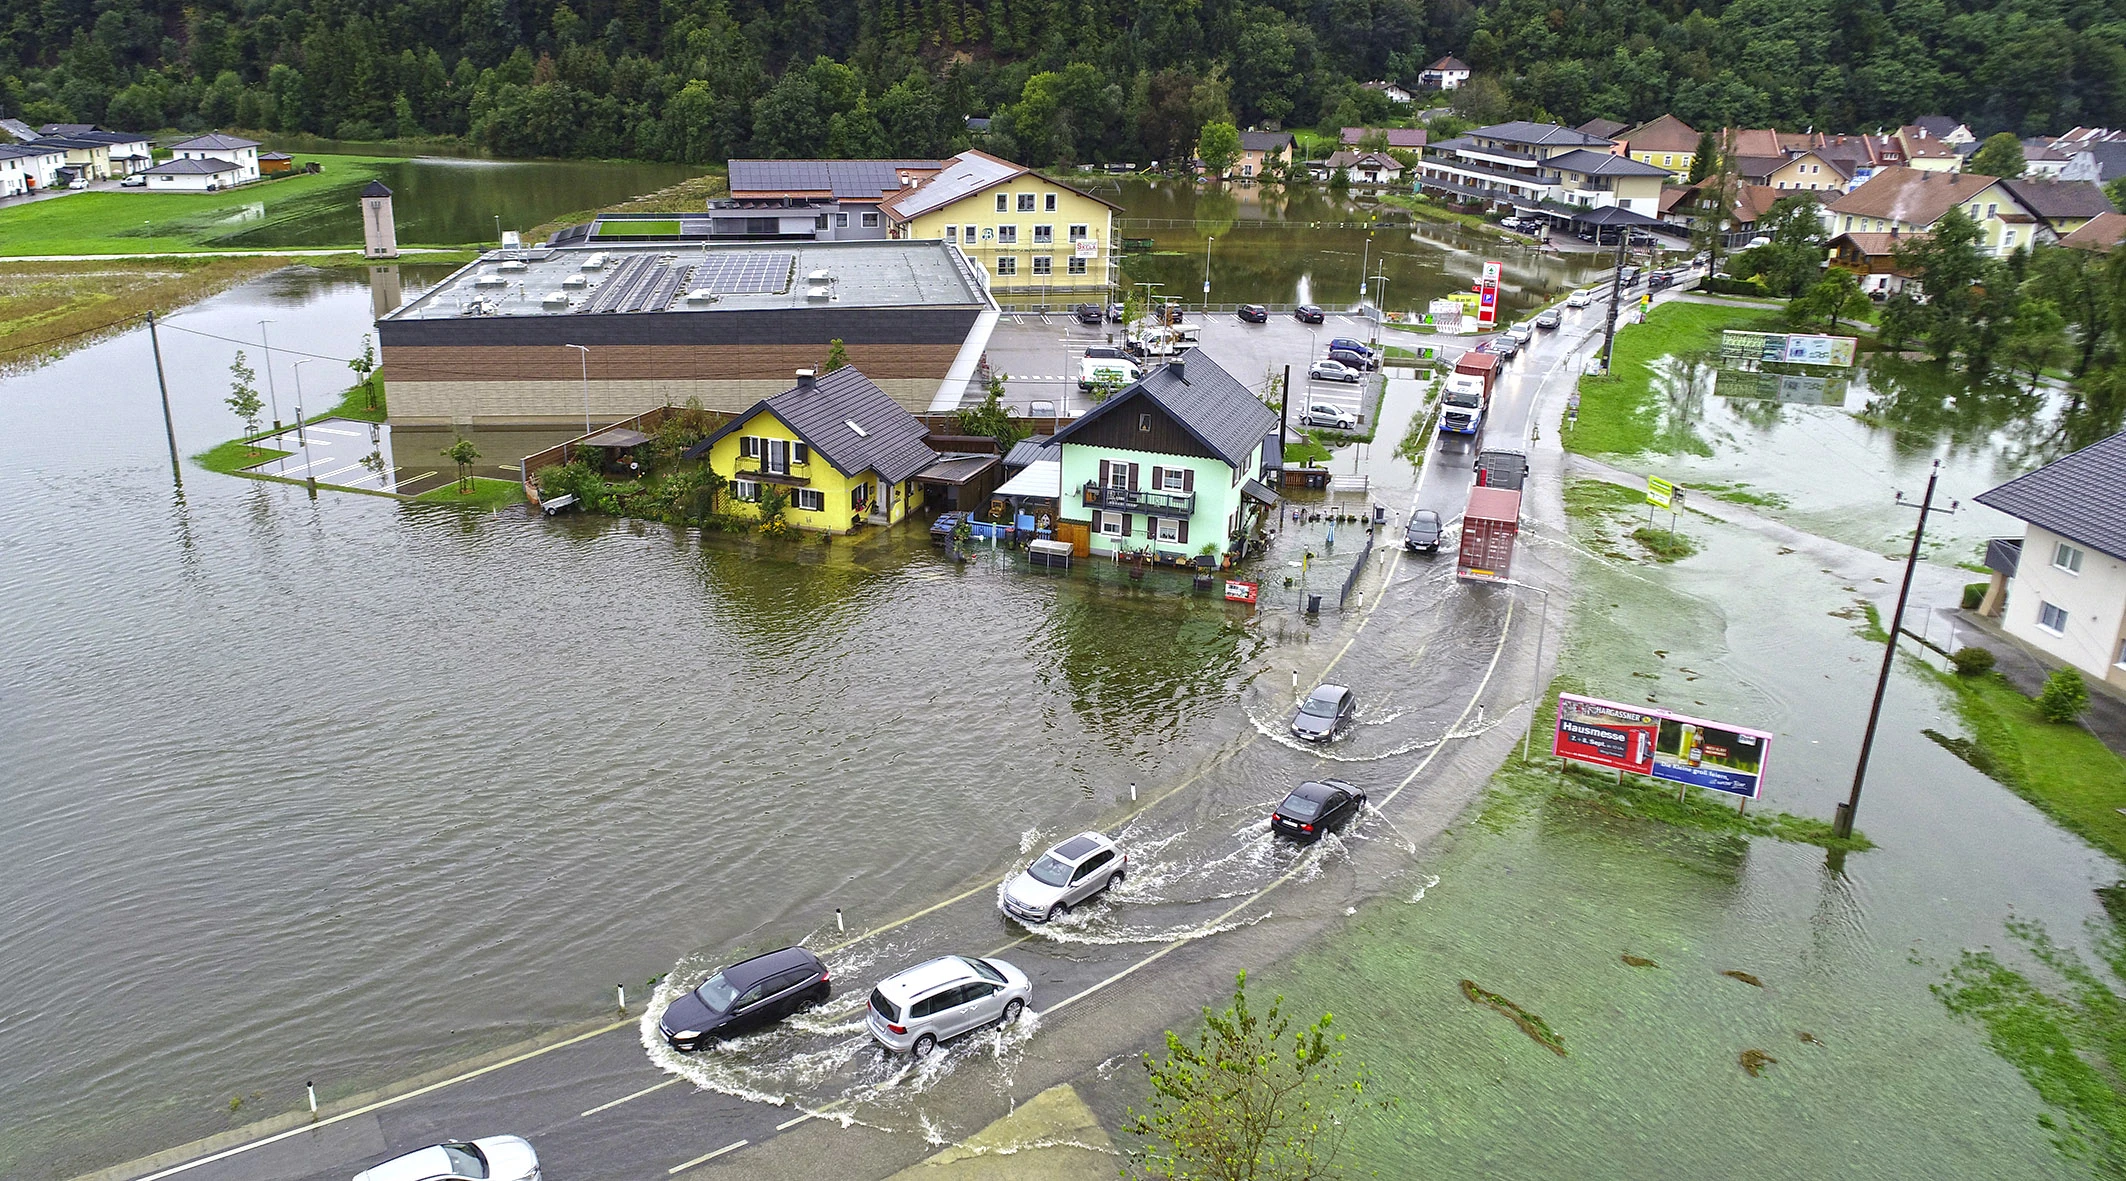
(351, 454)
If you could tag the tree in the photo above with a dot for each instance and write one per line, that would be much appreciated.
(464, 454)
(1793, 260)
(1715, 200)
(243, 396)
(2036, 338)
(1218, 146)
(1835, 297)
(363, 366)
(2000, 155)
(837, 356)
(1251, 1099)
(991, 418)
(1948, 268)
(2064, 696)
(1706, 160)
(2116, 191)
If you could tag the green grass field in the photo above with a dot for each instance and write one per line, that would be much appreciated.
(661, 228)
(486, 494)
(134, 221)
(2064, 770)
(1620, 413)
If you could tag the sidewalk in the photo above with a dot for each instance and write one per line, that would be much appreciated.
(2026, 669)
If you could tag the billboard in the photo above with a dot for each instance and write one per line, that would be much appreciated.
(1487, 308)
(1604, 733)
(1665, 746)
(1760, 348)
(1711, 755)
(1820, 350)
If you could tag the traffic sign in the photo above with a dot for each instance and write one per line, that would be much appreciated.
(1659, 492)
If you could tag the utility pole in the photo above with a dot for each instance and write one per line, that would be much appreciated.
(1284, 418)
(1380, 306)
(1616, 293)
(270, 396)
(161, 383)
(1842, 824)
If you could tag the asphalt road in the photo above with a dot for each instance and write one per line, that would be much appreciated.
(1441, 671)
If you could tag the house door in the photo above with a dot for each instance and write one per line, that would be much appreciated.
(775, 456)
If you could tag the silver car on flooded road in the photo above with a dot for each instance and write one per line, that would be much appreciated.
(1063, 877)
(932, 1002)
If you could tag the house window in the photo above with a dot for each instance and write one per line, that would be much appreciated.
(970, 235)
(841, 221)
(1849, 221)
(1992, 208)
(1110, 524)
(811, 500)
(1044, 265)
(859, 496)
(1169, 529)
(2008, 239)
(1077, 266)
(820, 222)
(1078, 233)
(1044, 235)
(1025, 202)
(2052, 619)
(745, 490)
(1171, 479)
(952, 233)
(1007, 266)
(871, 221)
(2066, 557)
(1144, 422)
(1049, 205)
(1973, 211)
(1003, 203)
(1007, 235)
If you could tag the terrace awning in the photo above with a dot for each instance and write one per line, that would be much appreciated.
(618, 436)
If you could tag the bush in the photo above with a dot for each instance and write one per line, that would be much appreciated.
(1972, 662)
(1716, 285)
(1974, 594)
(2064, 698)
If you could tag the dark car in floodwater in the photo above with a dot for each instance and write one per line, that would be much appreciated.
(745, 997)
(1423, 532)
(1326, 712)
(1315, 808)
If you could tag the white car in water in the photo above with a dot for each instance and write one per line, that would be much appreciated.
(491, 1158)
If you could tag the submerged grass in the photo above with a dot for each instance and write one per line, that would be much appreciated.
(486, 493)
(2062, 769)
(685, 197)
(232, 457)
(50, 308)
(1620, 412)
(141, 222)
(1665, 545)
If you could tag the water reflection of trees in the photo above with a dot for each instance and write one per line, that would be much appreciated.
(783, 592)
(1925, 405)
(1144, 665)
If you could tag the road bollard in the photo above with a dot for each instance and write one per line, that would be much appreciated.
(1295, 678)
(838, 924)
(1132, 793)
(311, 1087)
(1361, 600)
(620, 990)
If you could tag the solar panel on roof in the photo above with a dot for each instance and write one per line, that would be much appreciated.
(745, 274)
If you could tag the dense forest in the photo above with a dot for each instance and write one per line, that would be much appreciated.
(1063, 80)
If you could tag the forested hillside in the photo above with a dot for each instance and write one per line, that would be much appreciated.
(1065, 80)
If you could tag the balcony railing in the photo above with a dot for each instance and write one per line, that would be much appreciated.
(1158, 504)
(794, 472)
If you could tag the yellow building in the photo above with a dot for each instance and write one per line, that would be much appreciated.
(1665, 142)
(1032, 236)
(839, 450)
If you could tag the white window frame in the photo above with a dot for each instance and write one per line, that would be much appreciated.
(970, 235)
(818, 499)
(746, 491)
(1007, 235)
(1025, 203)
(841, 221)
(2068, 558)
(870, 221)
(1003, 203)
(1079, 233)
(952, 233)
(1169, 529)
(1110, 524)
(1049, 205)
(1044, 235)
(1172, 479)
(1007, 265)
(1044, 264)
(2045, 611)
(1077, 265)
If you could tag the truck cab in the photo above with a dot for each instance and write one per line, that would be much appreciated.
(1462, 405)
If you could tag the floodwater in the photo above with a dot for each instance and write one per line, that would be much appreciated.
(1304, 245)
(454, 201)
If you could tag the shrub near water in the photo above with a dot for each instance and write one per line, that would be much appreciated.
(2064, 697)
(1972, 662)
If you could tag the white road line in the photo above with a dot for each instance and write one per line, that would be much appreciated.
(333, 430)
(630, 1098)
(707, 1157)
(787, 1124)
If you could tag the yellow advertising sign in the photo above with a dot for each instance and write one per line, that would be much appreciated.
(1659, 492)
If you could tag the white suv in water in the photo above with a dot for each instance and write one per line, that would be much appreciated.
(1065, 876)
(916, 1009)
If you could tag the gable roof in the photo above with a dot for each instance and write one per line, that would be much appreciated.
(2060, 198)
(1397, 137)
(2081, 497)
(1875, 244)
(1350, 159)
(1937, 125)
(1602, 128)
(2099, 233)
(2110, 157)
(1589, 163)
(214, 142)
(963, 176)
(1521, 131)
(842, 179)
(1265, 141)
(1754, 141)
(1203, 399)
(1448, 63)
(33, 148)
(193, 167)
(1664, 133)
(1915, 196)
(891, 442)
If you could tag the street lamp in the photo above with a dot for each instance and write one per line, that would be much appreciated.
(585, 350)
(498, 229)
(271, 399)
(1207, 240)
(300, 440)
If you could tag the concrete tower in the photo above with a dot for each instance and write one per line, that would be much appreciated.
(380, 237)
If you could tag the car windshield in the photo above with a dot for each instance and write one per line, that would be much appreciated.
(982, 969)
(1427, 518)
(717, 993)
(1464, 398)
(1050, 872)
(1299, 807)
(1321, 705)
(465, 1160)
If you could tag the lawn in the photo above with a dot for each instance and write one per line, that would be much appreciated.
(140, 222)
(1620, 413)
(47, 308)
(234, 456)
(486, 494)
(2064, 770)
(660, 228)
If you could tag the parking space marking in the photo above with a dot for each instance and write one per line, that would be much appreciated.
(706, 1157)
(630, 1098)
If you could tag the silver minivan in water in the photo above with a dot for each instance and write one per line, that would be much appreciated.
(916, 1009)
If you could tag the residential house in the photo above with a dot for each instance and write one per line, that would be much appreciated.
(1945, 129)
(128, 151)
(1603, 128)
(1389, 90)
(1014, 223)
(1666, 141)
(1592, 180)
(1908, 201)
(840, 449)
(1504, 163)
(842, 196)
(230, 149)
(1872, 257)
(1448, 73)
(25, 168)
(1408, 139)
(2041, 161)
(1858, 157)
(2064, 205)
(1167, 466)
(86, 159)
(1748, 205)
(1812, 170)
(1264, 151)
(194, 174)
(2100, 233)
(1921, 149)
(17, 130)
(1362, 168)
(2067, 597)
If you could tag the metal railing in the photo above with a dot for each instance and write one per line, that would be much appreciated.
(1169, 504)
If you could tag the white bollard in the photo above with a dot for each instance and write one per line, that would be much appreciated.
(838, 924)
(1132, 793)
(311, 1087)
(620, 990)
(1361, 600)
(1295, 678)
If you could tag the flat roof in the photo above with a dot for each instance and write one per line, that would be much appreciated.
(585, 279)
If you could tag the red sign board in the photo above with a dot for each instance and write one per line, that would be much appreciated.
(1605, 733)
(1240, 592)
(1487, 295)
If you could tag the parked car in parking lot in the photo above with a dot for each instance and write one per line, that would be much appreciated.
(1066, 875)
(915, 1009)
(1324, 414)
(1307, 313)
(1358, 348)
(1253, 313)
(1314, 808)
(1423, 532)
(1327, 712)
(490, 1158)
(1548, 318)
(1350, 360)
(746, 996)
(1332, 371)
(134, 182)
(1114, 313)
(1089, 313)
(1579, 299)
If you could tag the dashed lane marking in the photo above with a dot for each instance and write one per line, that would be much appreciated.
(706, 1157)
(629, 1098)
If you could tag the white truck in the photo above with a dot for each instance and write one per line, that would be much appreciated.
(1107, 371)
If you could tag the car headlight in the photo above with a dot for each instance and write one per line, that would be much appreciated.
(687, 1033)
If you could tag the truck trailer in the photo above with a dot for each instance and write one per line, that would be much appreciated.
(1489, 526)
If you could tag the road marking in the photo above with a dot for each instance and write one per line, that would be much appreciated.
(630, 1098)
(380, 1104)
(707, 1157)
(787, 1124)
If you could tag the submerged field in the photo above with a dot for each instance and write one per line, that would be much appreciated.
(140, 222)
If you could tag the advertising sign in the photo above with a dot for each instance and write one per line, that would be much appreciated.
(1240, 592)
(1711, 755)
(1086, 248)
(1820, 350)
(1757, 348)
(1659, 492)
(1492, 272)
(1604, 733)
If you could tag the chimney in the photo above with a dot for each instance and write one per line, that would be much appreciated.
(806, 379)
(1179, 367)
